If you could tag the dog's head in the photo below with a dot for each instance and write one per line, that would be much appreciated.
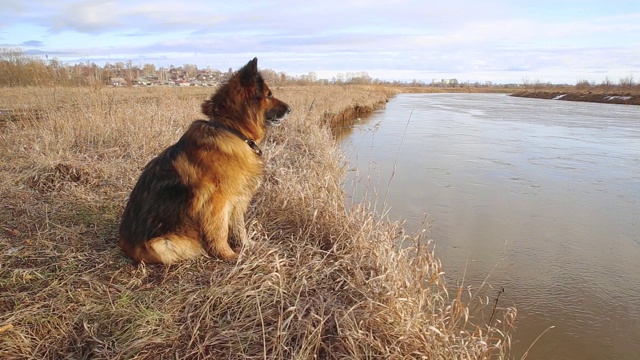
(246, 96)
(274, 109)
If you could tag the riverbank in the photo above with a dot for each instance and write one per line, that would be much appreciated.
(626, 98)
(319, 280)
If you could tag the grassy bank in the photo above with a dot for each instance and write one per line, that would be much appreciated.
(319, 280)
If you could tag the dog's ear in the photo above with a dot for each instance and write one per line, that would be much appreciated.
(249, 72)
(253, 64)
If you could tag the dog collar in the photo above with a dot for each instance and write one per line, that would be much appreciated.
(252, 144)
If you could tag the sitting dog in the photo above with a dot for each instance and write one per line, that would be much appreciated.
(191, 200)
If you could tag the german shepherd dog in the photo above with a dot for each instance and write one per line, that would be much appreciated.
(191, 200)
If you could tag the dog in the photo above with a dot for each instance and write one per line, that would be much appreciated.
(190, 201)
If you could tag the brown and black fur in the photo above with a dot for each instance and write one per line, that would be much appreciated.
(191, 200)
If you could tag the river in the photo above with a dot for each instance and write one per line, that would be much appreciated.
(540, 196)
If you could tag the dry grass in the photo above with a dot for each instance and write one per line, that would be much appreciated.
(319, 281)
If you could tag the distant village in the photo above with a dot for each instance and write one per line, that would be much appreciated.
(168, 77)
(190, 75)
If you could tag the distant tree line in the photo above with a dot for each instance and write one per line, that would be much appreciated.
(627, 83)
(19, 69)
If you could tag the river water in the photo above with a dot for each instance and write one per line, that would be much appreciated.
(541, 196)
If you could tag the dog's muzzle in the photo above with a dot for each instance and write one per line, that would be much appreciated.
(275, 117)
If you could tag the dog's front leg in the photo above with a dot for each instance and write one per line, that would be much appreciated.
(237, 228)
(215, 230)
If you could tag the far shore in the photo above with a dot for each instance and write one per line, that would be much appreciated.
(625, 98)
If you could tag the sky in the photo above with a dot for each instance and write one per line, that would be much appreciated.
(470, 40)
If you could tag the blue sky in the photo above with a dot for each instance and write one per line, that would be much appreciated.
(470, 40)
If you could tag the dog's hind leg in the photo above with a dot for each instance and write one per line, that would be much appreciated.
(171, 248)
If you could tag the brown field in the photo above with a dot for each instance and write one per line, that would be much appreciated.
(320, 280)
